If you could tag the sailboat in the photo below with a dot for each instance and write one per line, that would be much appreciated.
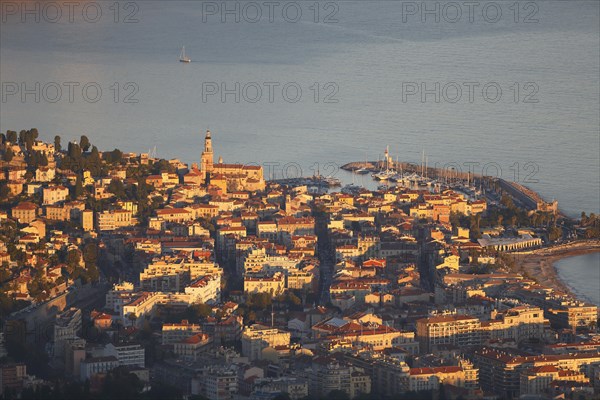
(183, 58)
(363, 170)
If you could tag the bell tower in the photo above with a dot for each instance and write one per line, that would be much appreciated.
(206, 160)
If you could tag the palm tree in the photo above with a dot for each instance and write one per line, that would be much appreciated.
(132, 318)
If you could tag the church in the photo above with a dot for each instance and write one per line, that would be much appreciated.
(228, 177)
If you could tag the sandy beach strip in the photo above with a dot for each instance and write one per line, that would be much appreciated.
(539, 264)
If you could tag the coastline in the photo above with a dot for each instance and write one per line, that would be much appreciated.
(540, 264)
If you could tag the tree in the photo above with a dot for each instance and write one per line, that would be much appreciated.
(74, 151)
(121, 384)
(73, 258)
(198, 311)
(78, 189)
(57, 145)
(4, 191)
(11, 136)
(8, 155)
(114, 156)
(554, 233)
(90, 254)
(84, 143)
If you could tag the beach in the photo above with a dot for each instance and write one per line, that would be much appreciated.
(539, 264)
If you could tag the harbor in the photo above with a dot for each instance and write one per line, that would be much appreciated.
(389, 172)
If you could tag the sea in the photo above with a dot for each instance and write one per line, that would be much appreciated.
(582, 274)
(503, 88)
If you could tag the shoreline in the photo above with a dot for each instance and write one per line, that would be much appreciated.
(540, 264)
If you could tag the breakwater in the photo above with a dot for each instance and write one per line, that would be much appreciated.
(524, 196)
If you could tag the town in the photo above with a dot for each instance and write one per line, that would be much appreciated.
(128, 276)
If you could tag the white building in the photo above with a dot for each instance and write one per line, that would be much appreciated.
(206, 289)
(126, 354)
(67, 326)
(256, 338)
(96, 365)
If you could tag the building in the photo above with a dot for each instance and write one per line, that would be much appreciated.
(127, 354)
(567, 314)
(537, 380)
(296, 388)
(518, 323)
(24, 212)
(190, 348)
(87, 220)
(328, 374)
(420, 379)
(458, 330)
(113, 219)
(66, 326)
(273, 284)
(219, 383)
(165, 277)
(172, 333)
(256, 338)
(372, 334)
(96, 365)
(118, 295)
(12, 376)
(206, 289)
(145, 303)
(55, 194)
(229, 177)
(500, 370)
(509, 244)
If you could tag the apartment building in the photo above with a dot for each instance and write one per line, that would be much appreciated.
(500, 370)
(518, 323)
(206, 289)
(273, 284)
(24, 212)
(66, 326)
(190, 348)
(113, 219)
(327, 374)
(464, 375)
(458, 330)
(176, 332)
(165, 277)
(256, 338)
(55, 194)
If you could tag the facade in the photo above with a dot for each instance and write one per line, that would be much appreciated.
(87, 220)
(24, 212)
(500, 370)
(273, 284)
(519, 323)
(458, 330)
(537, 380)
(420, 379)
(229, 177)
(192, 347)
(165, 277)
(12, 376)
(66, 326)
(256, 338)
(55, 194)
(113, 219)
(96, 365)
(206, 289)
(127, 354)
(327, 375)
(172, 333)
(219, 383)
